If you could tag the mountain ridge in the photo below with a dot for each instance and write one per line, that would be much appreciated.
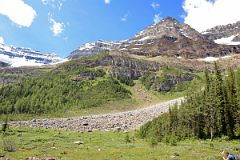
(224, 34)
(20, 56)
(168, 37)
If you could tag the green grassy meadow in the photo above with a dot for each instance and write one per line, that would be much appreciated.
(59, 144)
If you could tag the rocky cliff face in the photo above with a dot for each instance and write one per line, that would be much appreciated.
(169, 81)
(122, 66)
(126, 68)
(225, 34)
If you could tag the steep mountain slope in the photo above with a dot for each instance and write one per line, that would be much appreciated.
(88, 82)
(18, 56)
(225, 34)
(166, 38)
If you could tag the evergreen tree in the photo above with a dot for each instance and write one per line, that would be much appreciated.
(220, 100)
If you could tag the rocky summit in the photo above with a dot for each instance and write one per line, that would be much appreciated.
(168, 37)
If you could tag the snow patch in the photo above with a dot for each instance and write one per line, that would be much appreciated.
(87, 46)
(62, 61)
(213, 59)
(209, 59)
(206, 32)
(144, 38)
(17, 61)
(227, 41)
(225, 57)
(19, 56)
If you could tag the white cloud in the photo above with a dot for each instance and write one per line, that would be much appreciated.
(155, 5)
(205, 14)
(54, 3)
(107, 1)
(1, 40)
(18, 12)
(56, 27)
(157, 18)
(124, 18)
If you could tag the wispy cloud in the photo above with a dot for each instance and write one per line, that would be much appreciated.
(155, 5)
(124, 18)
(157, 18)
(205, 14)
(1, 40)
(18, 12)
(54, 3)
(56, 27)
(107, 1)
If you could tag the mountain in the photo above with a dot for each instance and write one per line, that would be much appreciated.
(224, 34)
(18, 56)
(99, 46)
(169, 37)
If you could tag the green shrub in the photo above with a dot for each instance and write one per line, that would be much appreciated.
(126, 80)
(9, 144)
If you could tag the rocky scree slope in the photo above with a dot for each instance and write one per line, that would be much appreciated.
(107, 122)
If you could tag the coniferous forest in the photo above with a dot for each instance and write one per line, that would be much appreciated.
(210, 112)
(60, 90)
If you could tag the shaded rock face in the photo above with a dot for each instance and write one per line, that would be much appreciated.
(129, 73)
(89, 75)
(3, 64)
(223, 31)
(237, 38)
(169, 81)
(121, 61)
(124, 67)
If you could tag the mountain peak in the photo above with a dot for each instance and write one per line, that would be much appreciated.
(168, 26)
(169, 20)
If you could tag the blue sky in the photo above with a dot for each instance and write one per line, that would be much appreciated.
(61, 26)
